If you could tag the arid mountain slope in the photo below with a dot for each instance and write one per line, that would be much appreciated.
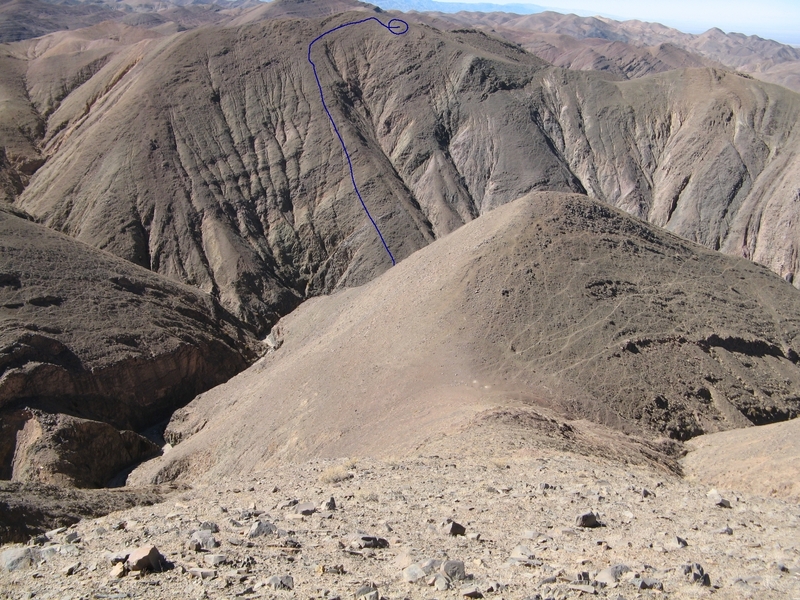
(632, 48)
(553, 301)
(760, 460)
(93, 348)
(206, 156)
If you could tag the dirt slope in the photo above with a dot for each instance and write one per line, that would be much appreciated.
(93, 348)
(552, 301)
(760, 460)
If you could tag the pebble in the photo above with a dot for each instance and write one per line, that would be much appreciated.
(146, 558)
(203, 540)
(260, 528)
(587, 519)
(19, 558)
(471, 591)
(281, 582)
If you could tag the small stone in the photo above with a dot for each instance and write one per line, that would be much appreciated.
(283, 582)
(453, 570)
(118, 557)
(475, 537)
(413, 573)
(697, 574)
(682, 543)
(209, 526)
(39, 540)
(430, 565)
(611, 575)
(18, 558)
(330, 504)
(203, 540)
(118, 571)
(585, 589)
(646, 493)
(214, 560)
(648, 584)
(471, 591)
(260, 528)
(358, 540)
(202, 573)
(725, 531)
(717, 499)
(587, 519)
(493, 587)
(54, 532)
(306, 509)
(286, 504)
(439, 582)
(146, 558)
(72, 537)
(71, 569)
(522, 552)
(452, 528)
(367, 592)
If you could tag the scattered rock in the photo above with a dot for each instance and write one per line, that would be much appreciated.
(282, 582)
(214, 560)
(471, 591)
(587, 519)
(260, 528)
(453, 570)
(202, 540)
(696, 574)
(725, 531)
(611, 575)
(118, 571)
(202, 573)
(648, 584)
(329, 504)
(209, 526)
(584, 589)
(413, 573)
(359, 540)
(452, 528)
(306, 509)
(718, 500)
(19, 558)
(146, 558)
(367, 592)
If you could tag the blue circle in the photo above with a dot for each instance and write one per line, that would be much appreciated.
(397, 26)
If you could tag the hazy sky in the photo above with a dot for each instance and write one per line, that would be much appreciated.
(775, 19)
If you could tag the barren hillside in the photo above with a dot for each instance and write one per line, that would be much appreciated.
(553, 302)
(206, 156)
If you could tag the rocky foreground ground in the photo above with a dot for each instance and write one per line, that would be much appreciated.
(510, 526)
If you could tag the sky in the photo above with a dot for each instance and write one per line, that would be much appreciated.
(773, 19)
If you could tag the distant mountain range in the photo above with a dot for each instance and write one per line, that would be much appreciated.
(452, 7)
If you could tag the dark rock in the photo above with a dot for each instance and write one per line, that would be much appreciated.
(283, 582)
(587, 519)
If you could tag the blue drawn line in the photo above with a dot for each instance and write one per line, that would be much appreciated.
(395, 27)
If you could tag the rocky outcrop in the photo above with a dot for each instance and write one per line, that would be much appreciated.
(93, 348)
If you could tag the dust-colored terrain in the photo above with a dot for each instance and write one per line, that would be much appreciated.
(553, 301)
(93, 348)
(632, 48)
(206, 156)
(174, 204)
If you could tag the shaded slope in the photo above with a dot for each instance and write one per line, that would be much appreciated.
(206, 157)
(552, 301)
(92, 349)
